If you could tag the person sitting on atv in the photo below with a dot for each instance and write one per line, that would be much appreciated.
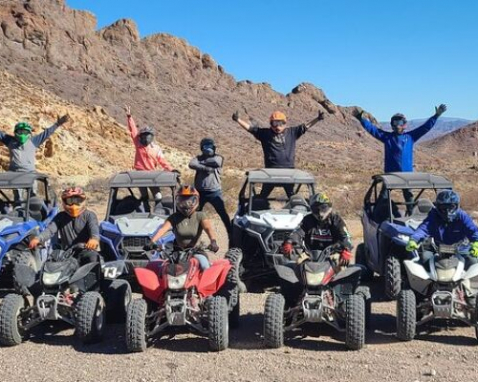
(187, 225)
(447, 224)
(278, 143)
(148, 156)
(399, 143)
(320, 229)
(75, 225)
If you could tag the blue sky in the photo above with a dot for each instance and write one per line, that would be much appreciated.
(387, 56)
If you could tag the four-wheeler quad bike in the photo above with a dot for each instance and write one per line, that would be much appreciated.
(260, 225)
(139, 203)
(315, 289)
(177, 294)
(67, 290)
(438, 287)
(27, 206)
(388, 221)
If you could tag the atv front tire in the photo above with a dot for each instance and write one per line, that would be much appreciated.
(10, 310)
(218, 323)
(406, 315)
(364, 291)
(118, 297)
(355, 322)
(90, 317)
(274, 321)
(136, 337)
(392, 277)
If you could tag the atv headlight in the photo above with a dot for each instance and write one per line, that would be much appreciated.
(51, 278)
(314, 279)
(177, 282)
(404, 238)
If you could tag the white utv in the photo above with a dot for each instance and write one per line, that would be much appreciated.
(260, 225)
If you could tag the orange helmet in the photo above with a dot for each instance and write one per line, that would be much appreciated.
(187, 200)
(73, 199)
(278, 116)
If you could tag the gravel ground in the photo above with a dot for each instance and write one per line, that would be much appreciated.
(442, 353)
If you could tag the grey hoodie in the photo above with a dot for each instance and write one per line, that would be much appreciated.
(208, 172)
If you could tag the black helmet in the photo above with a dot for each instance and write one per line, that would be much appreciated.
(146, 135)
(320, 206)
(447, 204)
(208, 146)
(398, 120)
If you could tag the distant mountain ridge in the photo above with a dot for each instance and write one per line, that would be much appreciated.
(444, 125)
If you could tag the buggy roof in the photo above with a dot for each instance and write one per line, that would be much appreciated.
(15, 180)
(280, 175)
(144, 179)
(409, 180)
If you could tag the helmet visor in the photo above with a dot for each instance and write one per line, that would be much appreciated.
(74, 200)
(447, 209)
(186, 203)
(277, 123)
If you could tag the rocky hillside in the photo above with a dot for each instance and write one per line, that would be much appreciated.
(172, 86)
(92, 145)
(459, 144)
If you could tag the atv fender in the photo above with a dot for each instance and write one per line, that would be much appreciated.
(213, 278)
(149, 282)
(346, 273)
(471, 273)
(286, 273)
(82, 272)
(25, 275)
(418, 277)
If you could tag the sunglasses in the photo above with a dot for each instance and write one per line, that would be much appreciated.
(22, 132)
(78, 200)
(277, 123)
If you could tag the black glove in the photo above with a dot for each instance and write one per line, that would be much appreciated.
(359, 115)
(213, 246)
(235, 116)
(440, 109)
(63, 120)
(320, 115)
(151, 247)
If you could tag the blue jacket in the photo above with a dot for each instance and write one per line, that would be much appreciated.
(446, 233)
(399, 147)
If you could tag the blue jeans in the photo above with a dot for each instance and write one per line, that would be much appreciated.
(216, 200)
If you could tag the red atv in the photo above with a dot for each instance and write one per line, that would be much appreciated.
(177, 293)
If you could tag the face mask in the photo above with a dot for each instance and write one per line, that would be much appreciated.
(145, 139)
(22, 138)
(208, 150)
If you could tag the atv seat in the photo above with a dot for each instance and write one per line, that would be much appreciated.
(37, 209)
(298, 204)
(422, 208)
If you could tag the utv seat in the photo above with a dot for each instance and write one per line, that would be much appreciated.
(37, 209)
(127, 205)
(298, 204)
(422, 208)
(259, 204)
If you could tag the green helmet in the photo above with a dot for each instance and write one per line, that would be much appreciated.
(22, 132)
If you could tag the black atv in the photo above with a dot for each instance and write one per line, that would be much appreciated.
(315, 289)
(66, 290)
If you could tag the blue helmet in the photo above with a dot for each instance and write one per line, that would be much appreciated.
(447, 204)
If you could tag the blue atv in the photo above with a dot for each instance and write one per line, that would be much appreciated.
(27, 206)
(139, 203)
(394, 206)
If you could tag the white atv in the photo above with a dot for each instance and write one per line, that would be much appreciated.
(439, 288)
(260, 225)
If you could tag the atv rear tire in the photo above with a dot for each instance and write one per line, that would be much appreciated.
(118, 297)
(136, 337)
(355, 322)
(22, 258)
(361, 259)
(274, 321)
(218, 323)
(90, 317)
(406, 315)
(392, 277)
(10, 310)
